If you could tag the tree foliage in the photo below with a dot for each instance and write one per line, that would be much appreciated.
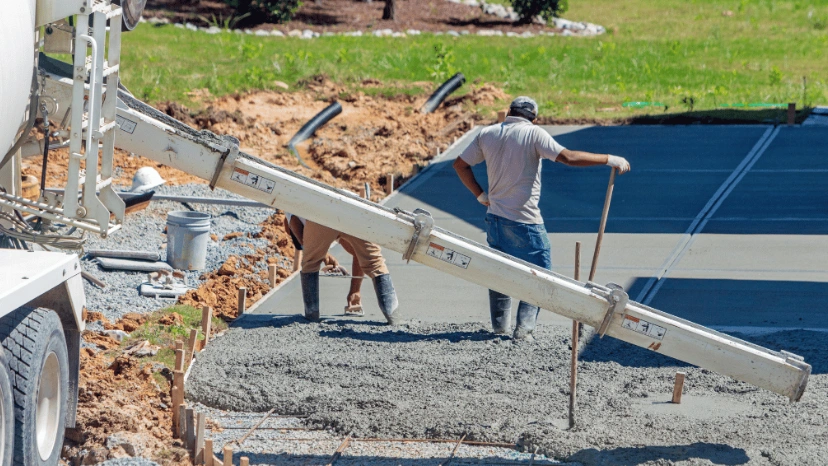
(274, 10)
(547, 9)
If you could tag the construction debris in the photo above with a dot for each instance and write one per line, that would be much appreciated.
(111, 263)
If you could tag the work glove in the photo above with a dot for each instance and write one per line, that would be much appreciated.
(620, 163)
(483, 198)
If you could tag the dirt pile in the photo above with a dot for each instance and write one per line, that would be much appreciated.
(123, 405)
(220, 287)
(373, 137)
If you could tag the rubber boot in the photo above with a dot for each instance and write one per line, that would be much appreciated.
(527, 318)
(500, 308)
(387, 298)
(310, 295)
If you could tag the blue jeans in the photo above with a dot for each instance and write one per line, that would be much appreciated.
(527, 242)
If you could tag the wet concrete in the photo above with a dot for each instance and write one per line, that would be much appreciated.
(447, 380)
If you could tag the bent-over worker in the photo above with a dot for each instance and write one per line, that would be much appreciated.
(295, 226)
(513, 151)
(316, 240)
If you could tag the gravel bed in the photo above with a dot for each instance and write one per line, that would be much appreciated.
(269, 446)
(129, 462)
(446, 380)
(143, 231)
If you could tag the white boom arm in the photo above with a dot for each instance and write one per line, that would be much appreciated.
(148, 132)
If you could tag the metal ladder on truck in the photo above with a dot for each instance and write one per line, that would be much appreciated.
(145, 131)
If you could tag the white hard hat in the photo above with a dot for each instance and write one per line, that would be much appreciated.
(145, 179)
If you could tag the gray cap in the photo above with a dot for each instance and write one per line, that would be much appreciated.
(526, 106)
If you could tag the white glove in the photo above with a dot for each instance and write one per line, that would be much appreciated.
(483, 198)
(620, 163)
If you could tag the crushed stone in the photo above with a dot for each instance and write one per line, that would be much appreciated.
(446, 380)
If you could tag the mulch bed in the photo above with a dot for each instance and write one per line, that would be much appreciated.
(349, 15)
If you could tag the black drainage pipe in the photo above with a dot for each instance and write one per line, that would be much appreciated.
(306, 131)
(442, 92)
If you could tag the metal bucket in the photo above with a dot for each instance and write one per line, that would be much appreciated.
(187, 237)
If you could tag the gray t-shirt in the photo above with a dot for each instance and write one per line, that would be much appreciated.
(512, 151)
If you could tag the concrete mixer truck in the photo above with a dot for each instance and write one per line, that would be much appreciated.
(83, 107)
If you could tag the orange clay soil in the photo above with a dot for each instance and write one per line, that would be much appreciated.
(122, 409)
(220, 289)
(374, 136)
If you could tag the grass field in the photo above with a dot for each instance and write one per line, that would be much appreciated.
(686, 54)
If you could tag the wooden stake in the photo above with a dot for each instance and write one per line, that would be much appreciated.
(576, 330)
(339, 450)
(242, 299)
(179, 357)
(297, 258)
(199, 439)
(182, 429)
(206, 324)
(191, 434)
(244, 461)
(244, 437)
(177, 396)
(389, 183)
(678, 387)
(366, 191)
(791, 114)
(228, 456)
(191, 344)
(454, 451)
(271, 274)
(602, 226)
(176, 419)
(415, 169)
(208, 452)
(501, 116)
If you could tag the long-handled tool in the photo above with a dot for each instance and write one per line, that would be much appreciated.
(576, 326)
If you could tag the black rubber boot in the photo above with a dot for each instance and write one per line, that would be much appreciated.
(387, 298)
(310, 295)
(500, 308)
(527, 318)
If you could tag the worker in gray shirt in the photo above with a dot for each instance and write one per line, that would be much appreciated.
(513, 151)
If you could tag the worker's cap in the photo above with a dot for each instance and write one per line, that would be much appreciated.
(525, 106)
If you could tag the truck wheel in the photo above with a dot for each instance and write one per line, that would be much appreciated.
(39, 363)
(6, 413)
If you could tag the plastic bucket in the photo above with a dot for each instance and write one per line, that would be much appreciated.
(187, 237)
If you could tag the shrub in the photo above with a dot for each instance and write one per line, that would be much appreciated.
(547, 9)
(278, 10)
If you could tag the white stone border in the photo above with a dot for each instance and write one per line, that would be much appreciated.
(567, 28)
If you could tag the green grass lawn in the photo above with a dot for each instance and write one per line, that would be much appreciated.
(685, 54)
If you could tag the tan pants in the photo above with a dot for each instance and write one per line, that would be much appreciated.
(317, 240)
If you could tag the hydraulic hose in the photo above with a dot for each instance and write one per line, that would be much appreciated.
(442, 92)
(45, 164)
(306, 131)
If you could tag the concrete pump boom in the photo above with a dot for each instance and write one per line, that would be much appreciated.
(148, 132)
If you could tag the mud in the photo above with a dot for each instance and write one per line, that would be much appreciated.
(446, 380)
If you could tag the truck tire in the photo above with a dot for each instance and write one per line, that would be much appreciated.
(39, 363)
(6, 413)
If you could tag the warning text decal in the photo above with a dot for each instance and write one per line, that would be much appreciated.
(253, 180)
(447, 255)
(643, 327)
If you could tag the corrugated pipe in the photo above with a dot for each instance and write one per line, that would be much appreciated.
(442, 92)
(306, 131)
